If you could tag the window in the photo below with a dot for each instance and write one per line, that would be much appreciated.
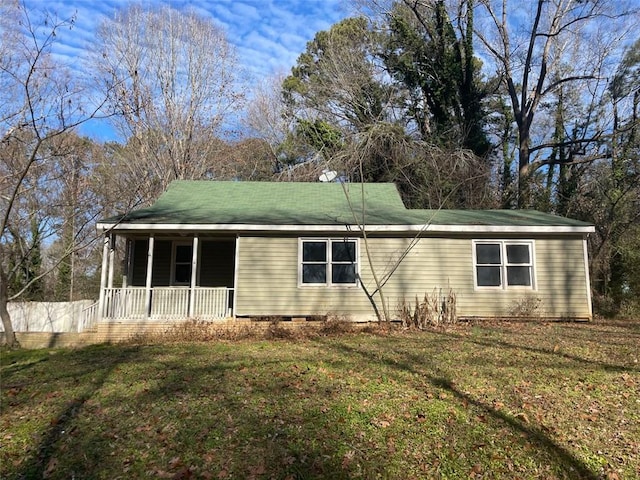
(182, 257)
(328, 262)
(503, 264)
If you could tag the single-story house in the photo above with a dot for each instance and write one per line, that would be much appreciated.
(217, 249)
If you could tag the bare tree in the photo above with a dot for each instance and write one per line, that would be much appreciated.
(268, 119)
(173, 78)
(555, 45)
(40, 103)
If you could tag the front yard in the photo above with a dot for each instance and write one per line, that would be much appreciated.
(518, 400)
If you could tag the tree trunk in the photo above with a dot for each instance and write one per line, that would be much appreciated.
(9, 335)
(524, 173)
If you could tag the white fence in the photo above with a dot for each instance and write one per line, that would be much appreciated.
(48, 316)
(167, 303)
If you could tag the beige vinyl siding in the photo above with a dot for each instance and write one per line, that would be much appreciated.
(432, 265)
(561, 277)
(443, 263)
(268, 278)
(268, 283)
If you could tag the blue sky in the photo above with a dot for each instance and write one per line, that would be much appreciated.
(269, 35)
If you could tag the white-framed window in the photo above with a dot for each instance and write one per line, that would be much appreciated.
(328, 262)
(504, 264)
(181, 264)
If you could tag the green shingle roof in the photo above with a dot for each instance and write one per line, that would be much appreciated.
(295, 203)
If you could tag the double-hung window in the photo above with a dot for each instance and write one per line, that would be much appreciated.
(329, 262)
(503, 264)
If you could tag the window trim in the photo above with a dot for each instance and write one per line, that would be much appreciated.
(504, 265)
(328, 241)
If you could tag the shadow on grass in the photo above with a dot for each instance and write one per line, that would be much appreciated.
(494, 342)
(234, 412)
(632, 324)
(43, 462)
(572, 466)
(534, 435)
(17, 365)
(244, 426)
(185, 414)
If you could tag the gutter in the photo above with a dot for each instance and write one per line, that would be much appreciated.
(427, 228)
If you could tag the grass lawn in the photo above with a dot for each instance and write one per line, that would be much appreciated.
(519, 400)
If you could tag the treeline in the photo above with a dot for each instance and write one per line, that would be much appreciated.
(460, 103)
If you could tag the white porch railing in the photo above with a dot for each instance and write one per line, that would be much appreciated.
(166, 303)
(88, 317)
(170, 302)
(212, 302)
(122, 303)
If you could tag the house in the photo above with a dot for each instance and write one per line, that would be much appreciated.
(213, 250)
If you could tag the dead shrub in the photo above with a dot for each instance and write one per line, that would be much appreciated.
(268, 328)
(433, 310)
(196, 330)
(275, 330)
(335, 325)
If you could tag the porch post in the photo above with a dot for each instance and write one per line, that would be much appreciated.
(149, 275)
(126, 274)
(194, 275)
(112, 255)
(236, 262)
(103, 276)
(585, 253)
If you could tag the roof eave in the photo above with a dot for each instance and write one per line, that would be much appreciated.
(405, 228)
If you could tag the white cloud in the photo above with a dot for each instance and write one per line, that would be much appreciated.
(269, 35)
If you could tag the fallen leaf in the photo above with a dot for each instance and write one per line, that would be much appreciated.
(347, 459)
(475, 470)
(182, 474)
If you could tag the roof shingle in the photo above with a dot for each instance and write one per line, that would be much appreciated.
(296, 203)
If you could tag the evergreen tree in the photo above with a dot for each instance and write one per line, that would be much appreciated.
(440, 74)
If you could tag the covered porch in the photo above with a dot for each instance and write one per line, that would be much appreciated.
(167, 277)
